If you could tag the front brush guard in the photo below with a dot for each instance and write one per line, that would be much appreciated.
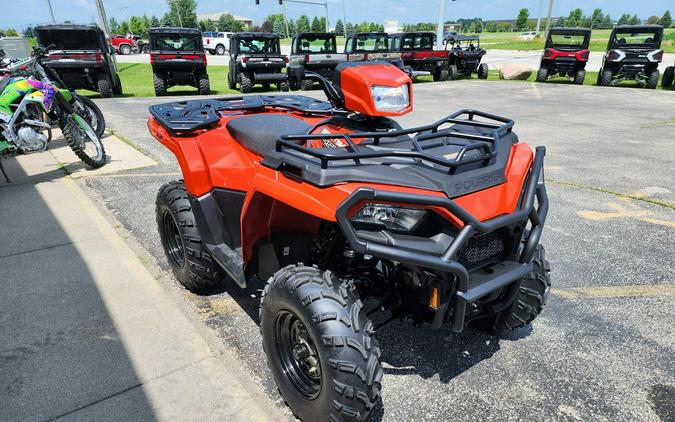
(469, 288)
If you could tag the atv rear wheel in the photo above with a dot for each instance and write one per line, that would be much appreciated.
(542, 74)
(245, 83)
(189, 261)
(104, 87)
(204, 86)
(606, 77)
(579, 77)
(307, 85)
(653, 79)
(483, 71)
(453, 72)
(159, 84)
(668, 77)
(284, 87)
(440, 75)
(319, 345)
(531, 298)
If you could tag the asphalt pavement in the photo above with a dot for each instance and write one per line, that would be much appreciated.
(494, 58)
(603, 347)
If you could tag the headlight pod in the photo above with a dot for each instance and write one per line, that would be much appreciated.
(392, 217)
(390, 99)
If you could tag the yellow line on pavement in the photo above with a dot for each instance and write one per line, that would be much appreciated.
(616, 291)
(537, 93)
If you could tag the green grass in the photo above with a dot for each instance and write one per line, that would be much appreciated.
(137, 81)
(599, 39)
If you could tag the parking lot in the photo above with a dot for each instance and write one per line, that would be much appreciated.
(602, 349)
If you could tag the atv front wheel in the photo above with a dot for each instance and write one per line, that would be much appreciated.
(307, 85)
(542, 74)
(531, 298)
(606, 78)
(453, 72)
(483, 71)
(319, 345)
(579, 77)
(653, 79)
(189, 261)
(160, 86)
(668, 77)
(245, 83)
(284, 87)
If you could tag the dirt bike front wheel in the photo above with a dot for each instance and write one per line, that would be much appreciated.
(83, 141)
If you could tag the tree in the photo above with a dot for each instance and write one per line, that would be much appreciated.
(316, 25)
(278, 28)
(135, 25)
(227, 23)
(154, 22)
(597, 18)
(292, 28)
(607, 22)
(652, 20)
(207, 25)
(145, 25)
(623, 20)
(575, 18)
(124, 27)
(350, 28)
(634, 20)
(113, 25)
(339, 27)
(29, 32)
(11, 32)
(479, 25)
(183, 13)
(303, 24)
(521, 21)
(166, 20)
(322, 21)
(560, 23)
(666, 20)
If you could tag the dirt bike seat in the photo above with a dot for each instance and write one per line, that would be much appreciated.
(259, 133)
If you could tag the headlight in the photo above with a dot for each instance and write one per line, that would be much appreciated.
(389, 216)
(387, 98)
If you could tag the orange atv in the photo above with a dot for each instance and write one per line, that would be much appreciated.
(353, 221)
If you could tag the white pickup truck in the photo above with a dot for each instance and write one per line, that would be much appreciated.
(317, 52)
(216, 42)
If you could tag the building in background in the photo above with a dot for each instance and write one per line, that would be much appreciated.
(213, 17)
(391, 27)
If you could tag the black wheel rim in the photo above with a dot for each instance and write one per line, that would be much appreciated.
(297, 354)
(172, 240)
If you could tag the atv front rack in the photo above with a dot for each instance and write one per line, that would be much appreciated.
(187, 117)
(443, 257)
(421, 135)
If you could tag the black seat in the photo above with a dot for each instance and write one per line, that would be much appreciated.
(259, 133)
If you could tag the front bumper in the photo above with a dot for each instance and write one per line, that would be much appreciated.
(419, 252)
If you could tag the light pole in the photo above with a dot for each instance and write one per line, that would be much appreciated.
(102, 16)
(539, 16)
(548, 18)
(51, 12)
(440, 28)
(344, 19)
(323, 3)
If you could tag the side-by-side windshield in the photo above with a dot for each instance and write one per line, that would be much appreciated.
(316, 45)
(176, 42)
(263, 45)
(636, 38)
(371, 42)
(417, 42)
(567, 40)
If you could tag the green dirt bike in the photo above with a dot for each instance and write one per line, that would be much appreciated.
(29, 106)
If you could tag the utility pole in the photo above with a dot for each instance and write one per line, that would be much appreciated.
(283, 8)
(441, 24)
(102, 17)
(344, 18)
(548, 18)
(180, 19)
(51, 12)
(539, 16)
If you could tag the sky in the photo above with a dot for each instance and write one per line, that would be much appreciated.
(20, 13)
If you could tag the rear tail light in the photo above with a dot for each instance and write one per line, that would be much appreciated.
(584, 56)
(204, 58)
(548, 53)
(306, 58)
(285, 59)
(244, 59)
(365, 57)
(99, 58)
(407, 55)
(655, 56)
(152, 58)
(615, 55)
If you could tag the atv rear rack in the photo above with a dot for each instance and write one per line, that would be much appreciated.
(499, 127)
(187, 117)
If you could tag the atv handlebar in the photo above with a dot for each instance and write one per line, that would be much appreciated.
(297, 73)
